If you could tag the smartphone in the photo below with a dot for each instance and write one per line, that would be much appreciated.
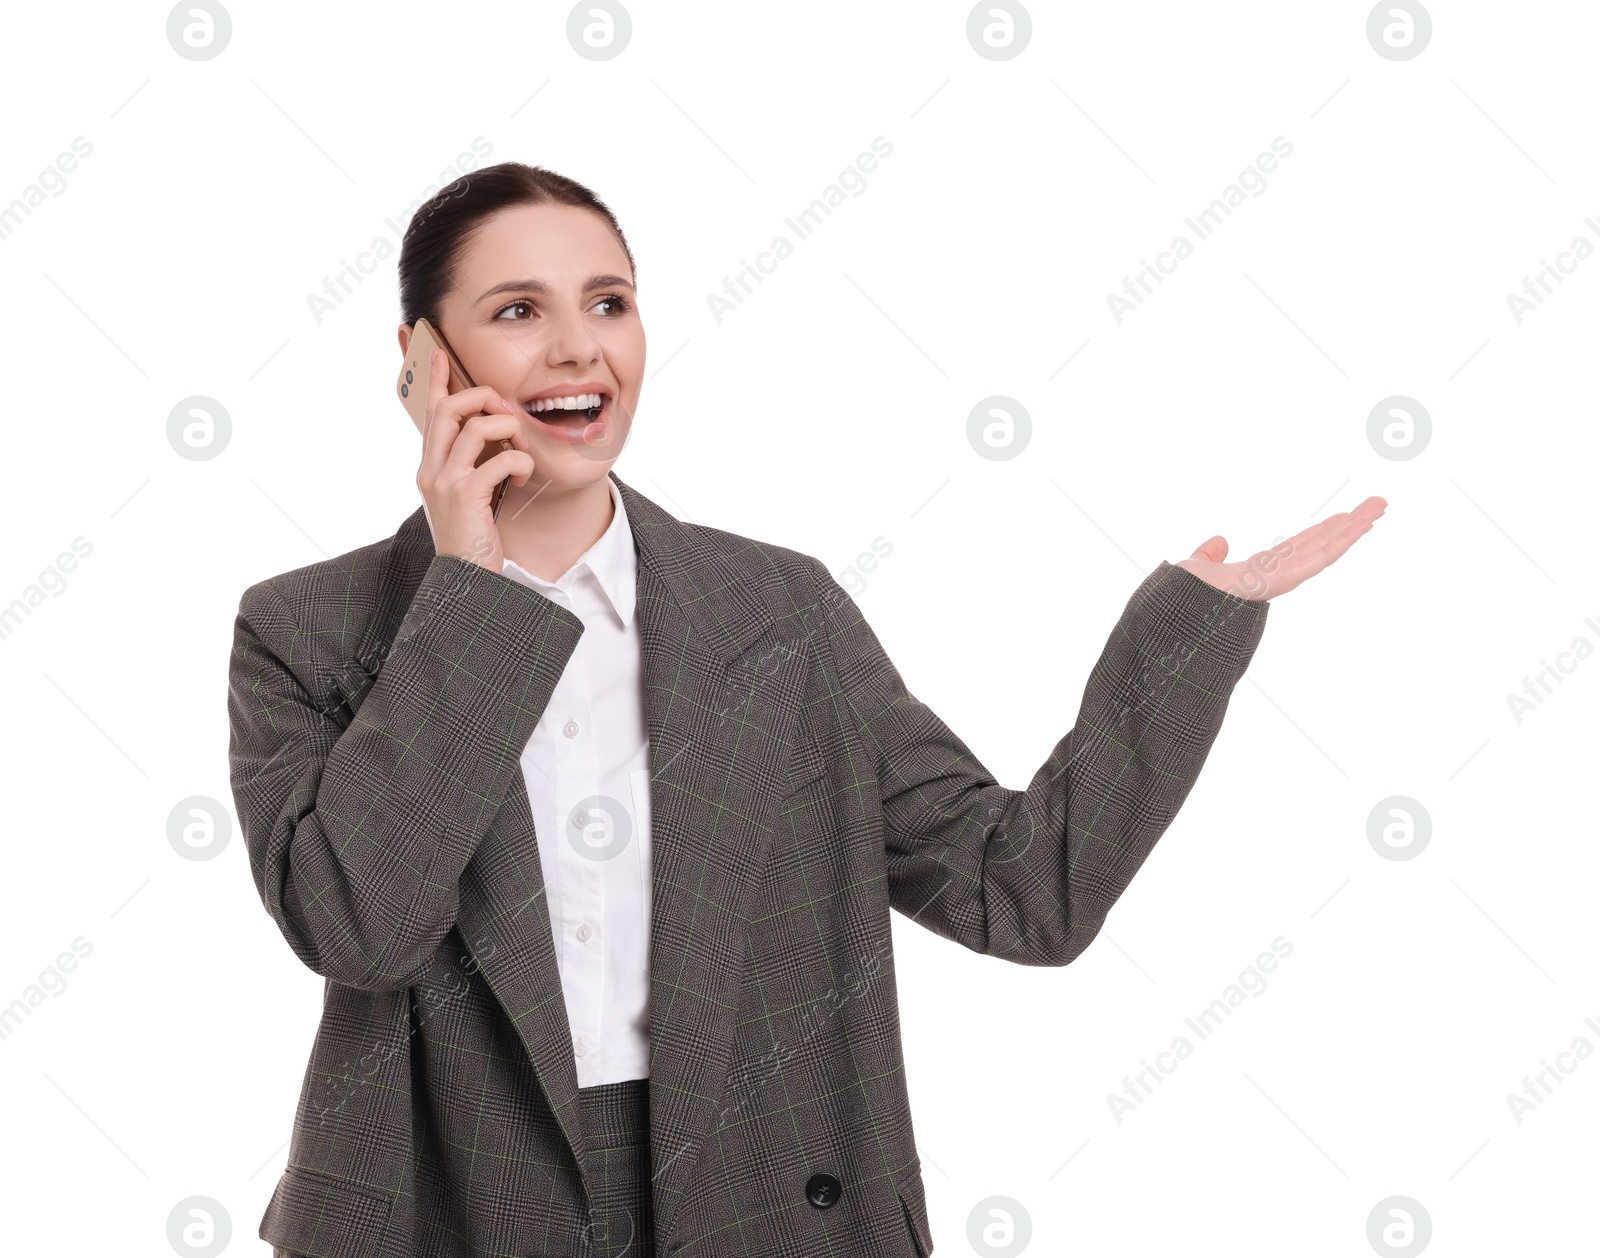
(412, 386)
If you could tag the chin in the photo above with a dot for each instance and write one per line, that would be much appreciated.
(569, 469)
(579, 462)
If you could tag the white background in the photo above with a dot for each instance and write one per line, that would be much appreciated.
(827, 410)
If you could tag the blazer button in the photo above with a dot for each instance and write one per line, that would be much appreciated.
(822, 1190)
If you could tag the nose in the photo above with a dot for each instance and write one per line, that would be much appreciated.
(571, 340)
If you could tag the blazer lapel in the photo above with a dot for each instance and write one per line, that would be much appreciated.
(501, 912)
(723, 688)
(722, 692)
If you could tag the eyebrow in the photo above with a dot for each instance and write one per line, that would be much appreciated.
(540, 287)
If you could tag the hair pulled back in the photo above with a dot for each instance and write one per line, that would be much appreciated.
(444, 224)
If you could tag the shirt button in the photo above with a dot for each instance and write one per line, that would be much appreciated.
(579, 1046)
(584, 932)
(570, 729)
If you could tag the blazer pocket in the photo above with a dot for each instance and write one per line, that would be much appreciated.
(319, 1214)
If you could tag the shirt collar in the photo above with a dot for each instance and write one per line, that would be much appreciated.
(612, 559)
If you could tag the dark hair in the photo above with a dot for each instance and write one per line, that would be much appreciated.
(443, 225)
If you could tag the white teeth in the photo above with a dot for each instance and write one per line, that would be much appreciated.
(578, 401)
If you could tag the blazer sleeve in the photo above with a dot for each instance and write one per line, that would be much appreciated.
(358, 832)
(1029, 875)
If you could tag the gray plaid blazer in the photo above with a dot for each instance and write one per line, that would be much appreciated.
(379, 703)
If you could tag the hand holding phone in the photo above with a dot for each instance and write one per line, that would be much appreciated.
(415, 376)
(462, 475)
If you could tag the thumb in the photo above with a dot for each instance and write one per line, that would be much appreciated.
(1212, 550)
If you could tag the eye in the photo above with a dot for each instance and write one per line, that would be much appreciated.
(618, 302)
(512, 306)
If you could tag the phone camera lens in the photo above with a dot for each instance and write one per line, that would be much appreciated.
(405, 390)
(408, 377)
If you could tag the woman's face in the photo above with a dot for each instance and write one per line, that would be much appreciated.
(544, 306)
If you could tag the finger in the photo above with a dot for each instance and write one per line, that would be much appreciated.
(443, 407)
(476, 433)
(448, 411)
(1367, 510)
(517, 464)
(478, 400)
(1336, 541)
(1298, 549)
(1306, 536)
(1309, 541)
(1305, 565)
(437, 390)
(1340, 542)
(1371, 508)
(1283, 565)
(1212, 550)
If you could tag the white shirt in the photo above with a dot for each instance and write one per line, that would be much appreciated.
(588, 775)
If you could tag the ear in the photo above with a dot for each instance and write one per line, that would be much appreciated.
(405, 337)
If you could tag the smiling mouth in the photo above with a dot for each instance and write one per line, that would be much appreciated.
(575, 423)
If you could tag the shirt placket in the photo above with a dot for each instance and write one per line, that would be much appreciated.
(582, 883)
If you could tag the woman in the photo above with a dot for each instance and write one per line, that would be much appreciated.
(593, 819)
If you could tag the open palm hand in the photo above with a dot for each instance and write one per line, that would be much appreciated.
(1280, 568)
